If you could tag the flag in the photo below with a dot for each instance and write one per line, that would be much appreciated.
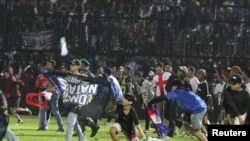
(155, 116)
(85, 96)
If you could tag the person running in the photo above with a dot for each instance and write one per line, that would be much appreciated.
(11, 88)
(191, 104)
(87, 121)
(110, 108)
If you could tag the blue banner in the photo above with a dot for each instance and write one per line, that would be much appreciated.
(86, 96)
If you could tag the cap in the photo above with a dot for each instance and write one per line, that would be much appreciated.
(53, 62)
(85, 62)
(151, 73)
(75, 62)
(235, 69)
(178, 83)
(158, 64)
(236, 79)
(191, 68)
(184, 69)
(128, 67)
(121, 68)
(202, 71)
(139, 73)
(129, 97)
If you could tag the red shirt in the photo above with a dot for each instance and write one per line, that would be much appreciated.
(41, 82)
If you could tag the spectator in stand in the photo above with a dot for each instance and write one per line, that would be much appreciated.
(11, 88)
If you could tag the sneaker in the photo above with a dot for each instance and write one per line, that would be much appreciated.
(60, 130)
(19, 122)
(94, 130)
(75, 134)
(28, 110)
(145, 131)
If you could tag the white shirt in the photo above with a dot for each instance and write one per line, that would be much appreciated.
(194, 82)
(218, 90)
(248, 88)
(160, 84)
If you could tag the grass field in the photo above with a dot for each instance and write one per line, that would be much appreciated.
(28, 131)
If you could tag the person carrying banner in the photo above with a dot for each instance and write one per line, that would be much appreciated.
(117, 96)
(72, 120)
(190, 103)
(87, 121)
(127, 120)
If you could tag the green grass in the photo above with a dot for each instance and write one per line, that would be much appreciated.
(27, 131)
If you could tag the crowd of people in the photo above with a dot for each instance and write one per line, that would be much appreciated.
(148, 45)
(162, 86)
(192, 29)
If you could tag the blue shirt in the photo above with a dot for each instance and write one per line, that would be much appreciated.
(187, 100)
(115, 86)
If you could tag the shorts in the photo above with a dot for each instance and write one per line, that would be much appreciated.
(14, 102)
(196, 119)
(235, 120)
(131, 137)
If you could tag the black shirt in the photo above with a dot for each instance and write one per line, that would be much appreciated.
(235, 102)
(128, 121)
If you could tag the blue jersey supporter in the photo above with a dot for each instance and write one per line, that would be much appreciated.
(193, 106)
